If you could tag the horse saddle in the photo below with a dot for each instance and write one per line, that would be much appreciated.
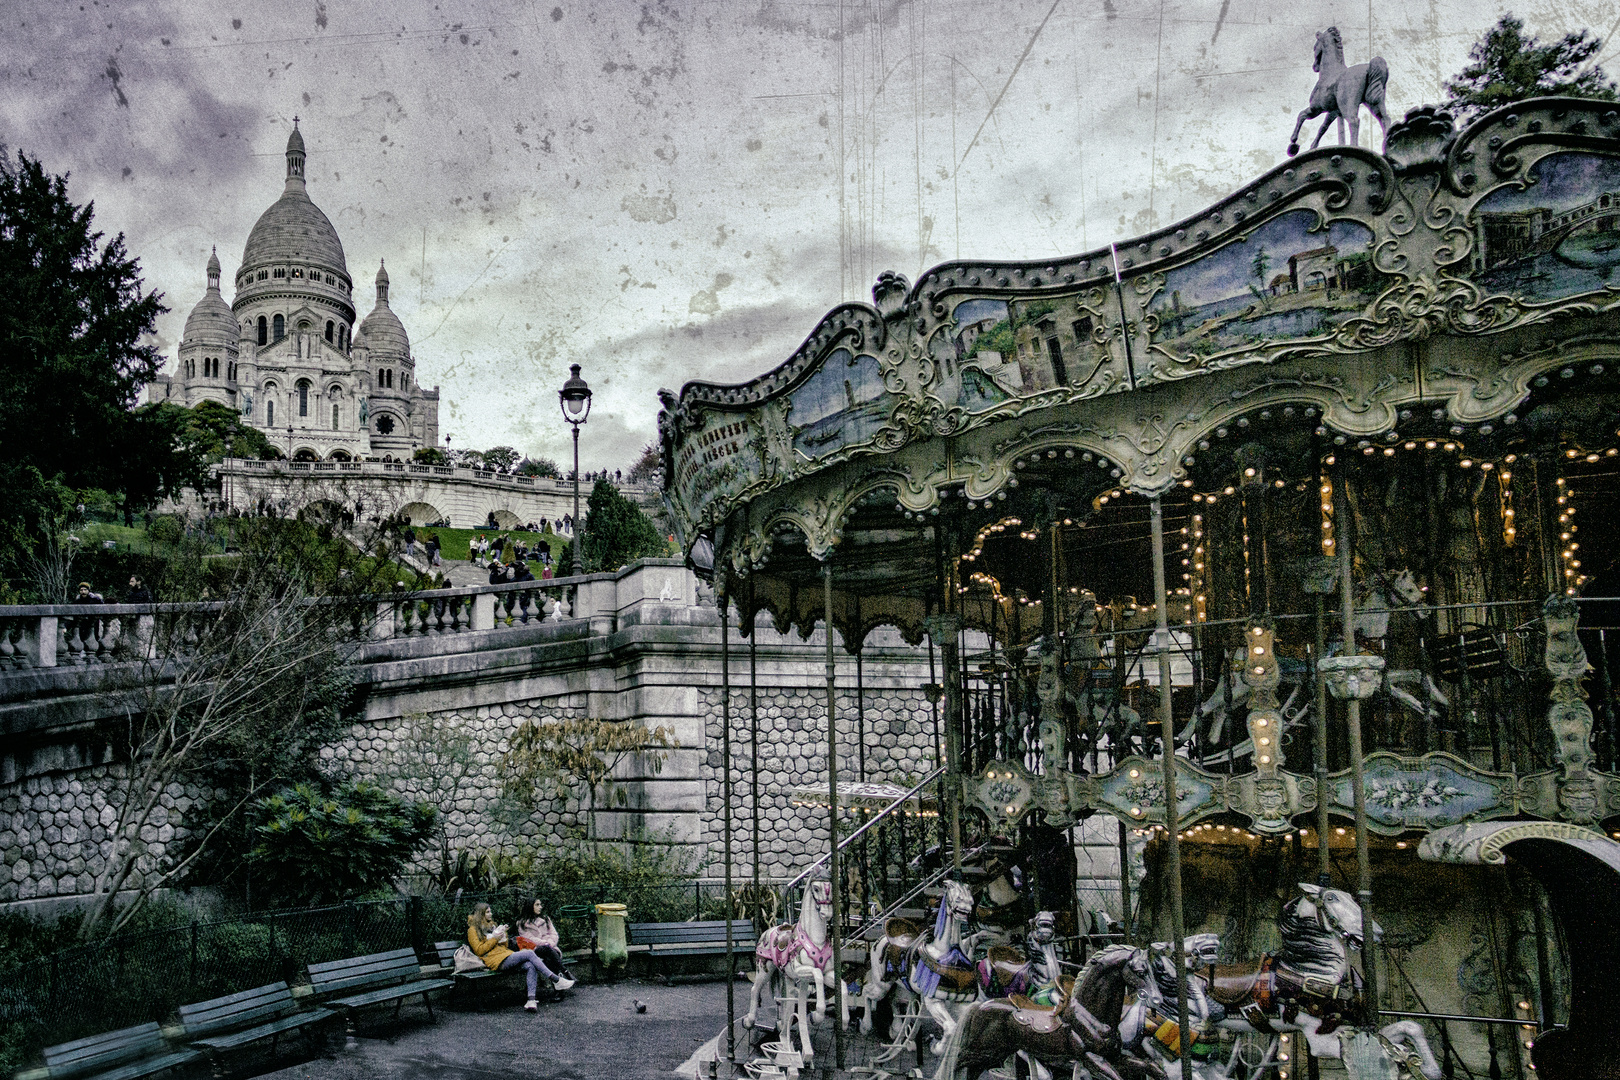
(1003, 968)
(902, 935)
(1236, 984)
(954, 977)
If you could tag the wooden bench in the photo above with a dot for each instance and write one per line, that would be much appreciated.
(225, 1023)
(659, 940)
(372, 980)
(117, 1055)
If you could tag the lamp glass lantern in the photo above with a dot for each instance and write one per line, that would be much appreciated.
(575, 400)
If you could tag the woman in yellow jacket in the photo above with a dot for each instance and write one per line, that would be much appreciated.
(489, 942)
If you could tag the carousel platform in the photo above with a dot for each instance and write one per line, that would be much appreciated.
(865, 1056)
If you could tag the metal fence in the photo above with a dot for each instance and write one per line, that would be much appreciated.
(86, 989)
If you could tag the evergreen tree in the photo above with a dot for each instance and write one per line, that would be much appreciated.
(73, 316)
(617, 532)
(1507, 65)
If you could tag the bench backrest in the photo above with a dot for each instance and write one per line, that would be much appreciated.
(257, 1006)
(742, 932)
(98, 1053)
(445, 952)
(358, 972)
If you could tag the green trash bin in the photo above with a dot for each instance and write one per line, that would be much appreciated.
(611, 951)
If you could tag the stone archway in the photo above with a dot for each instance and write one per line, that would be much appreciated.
(304, 453)
(1580, 870)
(421, 513)
(504, 519)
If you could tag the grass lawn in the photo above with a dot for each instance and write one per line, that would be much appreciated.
(453, 542)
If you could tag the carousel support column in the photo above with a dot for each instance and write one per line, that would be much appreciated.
(860, 694)
(954, 723)
(1324, 854)
(1125, 881)
(832, 817)
(722, 595)
(753, 743)
(1352, 701)
(1172, 814)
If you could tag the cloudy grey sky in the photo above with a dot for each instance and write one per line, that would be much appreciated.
(671, 190)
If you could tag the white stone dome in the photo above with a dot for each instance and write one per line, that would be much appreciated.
(381, 331)
(293, 229)
(211, 320)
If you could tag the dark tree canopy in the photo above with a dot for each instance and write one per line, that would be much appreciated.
(538, 466)
(617, 532)
(73, 316)
(1508, 65)
(211, 429)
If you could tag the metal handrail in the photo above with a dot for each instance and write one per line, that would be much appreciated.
(938, 771)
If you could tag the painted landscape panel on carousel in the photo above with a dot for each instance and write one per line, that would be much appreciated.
(842, 404)
(994, 351)
(1558, 237)
(1292, 278)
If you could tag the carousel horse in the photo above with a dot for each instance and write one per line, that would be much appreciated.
(1049, 1037)
(1006, 972)
(1342, 91)
(1376, 598)
(939, 973)
(887, 966)
(791, 958)
(1309, 986)
(1088, 677)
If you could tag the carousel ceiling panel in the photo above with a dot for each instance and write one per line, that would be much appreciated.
(1343, 281)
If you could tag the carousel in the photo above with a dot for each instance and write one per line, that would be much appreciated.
(1281, 540)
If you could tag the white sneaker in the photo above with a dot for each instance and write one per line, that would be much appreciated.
(564, 983)
(531, 1005)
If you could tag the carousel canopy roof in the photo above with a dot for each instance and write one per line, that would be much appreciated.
(1441, 290)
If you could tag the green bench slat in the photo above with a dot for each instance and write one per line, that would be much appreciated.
(264, 1031)
(389, 993)
(244, 1009)
(116, 1055)
(145, 1067)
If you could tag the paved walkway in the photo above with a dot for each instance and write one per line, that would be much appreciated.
(594, 1032)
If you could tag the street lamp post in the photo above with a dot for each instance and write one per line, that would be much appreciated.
(575, 399)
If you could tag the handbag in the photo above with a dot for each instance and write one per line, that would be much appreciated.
(468, 961)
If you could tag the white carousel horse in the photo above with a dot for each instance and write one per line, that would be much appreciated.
(1311, 978)
(1376, 598)
(790, 959)
(1342, 91)
(934, 969)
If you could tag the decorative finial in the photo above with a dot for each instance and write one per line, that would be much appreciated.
(382, 282)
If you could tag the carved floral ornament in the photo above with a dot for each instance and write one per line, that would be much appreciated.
(1404, 795)
(1355, 285)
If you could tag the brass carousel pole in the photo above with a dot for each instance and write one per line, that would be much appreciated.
(832, 817)
(1358, 785)
(722, 595)
(1172, 812)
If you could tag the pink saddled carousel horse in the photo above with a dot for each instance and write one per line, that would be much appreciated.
(789, 959)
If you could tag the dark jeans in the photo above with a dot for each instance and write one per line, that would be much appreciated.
(549, 956)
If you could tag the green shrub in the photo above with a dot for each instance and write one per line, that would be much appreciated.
(313, 848)
(167, 529)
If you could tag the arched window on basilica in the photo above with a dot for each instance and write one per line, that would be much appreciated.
(329, 330)
(303, 397)
(269, 411)
(264, 331)
(279, 325)
(336, 409)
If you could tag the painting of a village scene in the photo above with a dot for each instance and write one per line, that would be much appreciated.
(1293, 277)
(1555, 238)
(843, 403)
(993, 351)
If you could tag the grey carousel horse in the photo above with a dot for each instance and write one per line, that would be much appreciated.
(1342, 91)
(1310, 987)
(1376, 598)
